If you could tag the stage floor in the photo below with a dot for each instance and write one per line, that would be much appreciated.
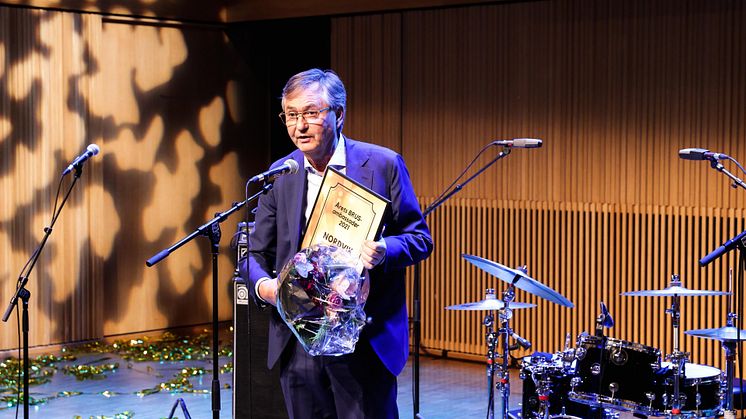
(448, 389)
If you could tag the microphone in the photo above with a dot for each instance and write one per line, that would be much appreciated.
(519, 143)
(525, 344)
(739, 240)
(288, 168)
(701, 154)
(90, 151)
(608, 321)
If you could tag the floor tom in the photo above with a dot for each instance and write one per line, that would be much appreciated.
(699, 391)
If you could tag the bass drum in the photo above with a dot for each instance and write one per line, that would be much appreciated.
(551, 372)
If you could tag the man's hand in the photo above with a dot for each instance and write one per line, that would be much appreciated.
(268, 291)
(373, 253)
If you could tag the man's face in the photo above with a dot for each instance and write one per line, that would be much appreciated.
(316, 138)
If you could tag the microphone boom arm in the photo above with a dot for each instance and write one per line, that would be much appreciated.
(715, 164)
(432, 207)
(219, 218)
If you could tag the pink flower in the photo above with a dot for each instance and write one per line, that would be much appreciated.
(334, 300)
(342, 285)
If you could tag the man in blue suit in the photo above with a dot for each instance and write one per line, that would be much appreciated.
(361, 384)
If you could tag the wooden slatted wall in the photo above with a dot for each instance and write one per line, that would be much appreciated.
(588, 253)
(44, 85)
(163, 102)
(614, 88)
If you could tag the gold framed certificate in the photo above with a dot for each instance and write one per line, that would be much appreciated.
(345, 214)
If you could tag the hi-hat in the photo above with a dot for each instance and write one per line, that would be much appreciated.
(723, 334)
(519, 279)
(672, 291)
(490, 303)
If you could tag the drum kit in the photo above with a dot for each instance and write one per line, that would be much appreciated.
(602, 377)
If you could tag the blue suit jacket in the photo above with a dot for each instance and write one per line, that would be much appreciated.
(277, 236)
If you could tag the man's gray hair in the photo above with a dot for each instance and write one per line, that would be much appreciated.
(332, 89)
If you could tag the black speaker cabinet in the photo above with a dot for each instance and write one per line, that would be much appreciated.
(256, 390)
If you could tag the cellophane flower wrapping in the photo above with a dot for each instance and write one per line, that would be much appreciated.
(321, 297)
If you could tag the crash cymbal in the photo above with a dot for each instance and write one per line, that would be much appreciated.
(490, 303)
(674, 290)
(723, 334)
(519, 279)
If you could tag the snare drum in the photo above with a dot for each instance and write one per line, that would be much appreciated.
(699, 391)
(615, 374)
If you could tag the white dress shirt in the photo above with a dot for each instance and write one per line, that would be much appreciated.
(314, 179)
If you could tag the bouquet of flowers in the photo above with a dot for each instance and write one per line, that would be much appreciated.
(321, 297)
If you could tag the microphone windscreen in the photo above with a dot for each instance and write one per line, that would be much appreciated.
(93, 148)
(293, 166)
(527, 143)
(692, 153)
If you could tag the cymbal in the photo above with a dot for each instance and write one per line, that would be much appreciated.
(723, 334)
(674, 290)
(490, 303)
(519, 279)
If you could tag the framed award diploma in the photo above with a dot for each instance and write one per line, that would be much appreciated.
(345, 214)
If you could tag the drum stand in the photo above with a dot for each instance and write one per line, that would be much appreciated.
(493, 337)
(678, 358)
(543, 391)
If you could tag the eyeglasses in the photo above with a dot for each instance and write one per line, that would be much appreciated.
(311, 116)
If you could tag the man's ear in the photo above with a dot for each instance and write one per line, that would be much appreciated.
(340, 112)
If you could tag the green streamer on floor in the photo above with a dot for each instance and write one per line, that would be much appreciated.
(166, 348)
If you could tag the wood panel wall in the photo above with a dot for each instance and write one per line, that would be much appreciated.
(587, 252)
(44, 85)
(175, 138)
(202, 11)
(614, 88)
(164, 101)
(247, 10)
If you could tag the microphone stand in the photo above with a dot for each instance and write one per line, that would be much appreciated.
(738, 322)
(416, 292)
(25, 295)
(211, 229)
(741, 246)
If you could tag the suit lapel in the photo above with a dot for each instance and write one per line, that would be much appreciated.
(295, 197)
(357, 160)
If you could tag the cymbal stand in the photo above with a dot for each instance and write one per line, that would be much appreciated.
(503, 374)
(729, 346)
(678, 358)
(491, 337)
